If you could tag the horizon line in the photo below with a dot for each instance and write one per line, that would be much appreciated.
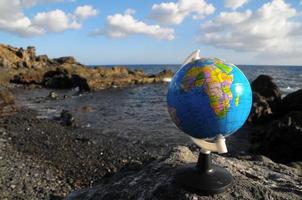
(265, 65)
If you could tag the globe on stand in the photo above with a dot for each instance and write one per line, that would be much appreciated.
(208, 99)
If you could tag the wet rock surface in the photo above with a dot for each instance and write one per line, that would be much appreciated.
(67, 119)
(253, 179)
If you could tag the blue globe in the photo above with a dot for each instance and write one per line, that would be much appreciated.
(208, 97)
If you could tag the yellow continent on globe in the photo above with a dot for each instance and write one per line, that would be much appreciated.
(216, 81)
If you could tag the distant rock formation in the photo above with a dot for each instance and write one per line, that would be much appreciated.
(22, 66)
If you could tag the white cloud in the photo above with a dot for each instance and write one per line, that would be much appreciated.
(123, 25)
(13, 19)
(54, 21)
(84, 12)
(271, 30)
(234, 4)
(175, 13)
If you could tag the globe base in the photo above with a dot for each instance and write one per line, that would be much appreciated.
(204, 178)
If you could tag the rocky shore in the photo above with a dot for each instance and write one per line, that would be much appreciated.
(23, 66)
(41, 159)
(275, 130)
(56, 159)
(255, 177)
(52, 159)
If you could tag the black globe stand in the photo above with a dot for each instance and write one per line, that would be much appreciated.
(204, 178)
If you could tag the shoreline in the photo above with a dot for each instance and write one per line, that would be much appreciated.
(53, 157)
(58, 161)
(72, 157)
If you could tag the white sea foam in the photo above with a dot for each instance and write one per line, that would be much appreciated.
(167, 79)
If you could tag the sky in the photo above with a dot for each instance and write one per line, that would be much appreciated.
(103, 32)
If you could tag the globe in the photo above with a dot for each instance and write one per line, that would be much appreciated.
(209, 97)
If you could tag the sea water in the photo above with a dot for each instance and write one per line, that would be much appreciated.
(288, 78)
(139, 112)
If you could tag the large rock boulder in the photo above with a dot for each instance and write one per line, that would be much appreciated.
(261, 111)
(253, 180)
(281, 139)
(291, 102)
(7, 102)
(279, 134)
(265, 86)
(67, 119)
(266, 100)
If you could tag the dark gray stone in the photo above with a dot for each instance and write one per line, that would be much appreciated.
(253, 180)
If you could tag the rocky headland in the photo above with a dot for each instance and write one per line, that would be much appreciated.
(23, 66)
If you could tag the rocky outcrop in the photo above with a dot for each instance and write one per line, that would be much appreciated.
(278, 133)
(261, 111)
(291, 102)
(266, 98)
(24, 67)
(280, 139)
(265, 86)
(253, 179)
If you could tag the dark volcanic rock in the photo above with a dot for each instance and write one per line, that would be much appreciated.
(281, 139)
(58, 79)
(292, 102)
(67, 119)
(42, 159)
(265, 86)
(279, 134)
(261, 110)
(253, 180)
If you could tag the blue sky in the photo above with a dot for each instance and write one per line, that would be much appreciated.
(156, 32)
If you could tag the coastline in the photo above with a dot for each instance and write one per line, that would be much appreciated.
(50, 158)
(23, 66)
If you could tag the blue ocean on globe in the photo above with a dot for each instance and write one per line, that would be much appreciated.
(208, 97)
